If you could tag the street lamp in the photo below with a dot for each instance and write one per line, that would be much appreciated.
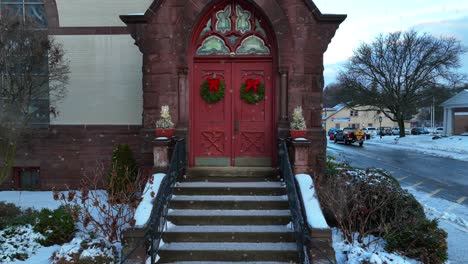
(380, 121)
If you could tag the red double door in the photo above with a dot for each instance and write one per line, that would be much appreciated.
(232, 132)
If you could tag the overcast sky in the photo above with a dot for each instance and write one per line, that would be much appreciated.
(366, 19)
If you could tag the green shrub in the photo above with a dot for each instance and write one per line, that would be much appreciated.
(11, 215)
(124, 169)
(58, 226)
(372, 202)
(422, 240)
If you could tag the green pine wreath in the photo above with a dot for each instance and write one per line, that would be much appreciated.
(251, 96)
(212, 97)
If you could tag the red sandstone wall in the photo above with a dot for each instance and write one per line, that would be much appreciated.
(65, 153)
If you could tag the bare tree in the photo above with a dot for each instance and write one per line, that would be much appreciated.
(33, 78)
(392, 73)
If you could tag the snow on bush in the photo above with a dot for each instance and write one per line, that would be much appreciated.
(85, 248)
(354, 253)
(18, 243)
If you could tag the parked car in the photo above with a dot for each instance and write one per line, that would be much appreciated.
(439, 131)
(419, 131)
(371, 131)
(350, 135)
(332, 135)
(385, 131)
(332, 131)
(396, 131)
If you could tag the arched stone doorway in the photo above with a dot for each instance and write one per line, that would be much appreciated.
(232, 44)
(165, 35)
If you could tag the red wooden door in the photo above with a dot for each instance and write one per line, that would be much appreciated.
(253, 130)
(232, 132)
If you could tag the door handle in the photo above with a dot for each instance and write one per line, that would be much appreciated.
(236, 126)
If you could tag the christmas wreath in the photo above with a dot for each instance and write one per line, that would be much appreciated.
(252, 91)
(212, 90)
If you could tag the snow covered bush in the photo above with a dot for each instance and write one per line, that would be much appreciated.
(85, 249)
(371, 202)
(57, 226)
(18, 243)
(298, 122)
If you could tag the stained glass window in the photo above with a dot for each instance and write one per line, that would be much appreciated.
(233, 30)
(213, 45)
(243, 20)
(223, 24)
(253, 45)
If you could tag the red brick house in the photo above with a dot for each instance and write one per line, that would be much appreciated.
(130, 57)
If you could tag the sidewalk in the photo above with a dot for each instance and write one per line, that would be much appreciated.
(455, 147)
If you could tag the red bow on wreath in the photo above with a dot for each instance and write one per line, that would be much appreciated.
(214, 84)
(252, 84)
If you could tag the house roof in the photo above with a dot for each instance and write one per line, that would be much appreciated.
(458, 100)
(336, 108)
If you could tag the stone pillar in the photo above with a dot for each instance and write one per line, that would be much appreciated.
(161, 155)
(321, 248)
(183, 97)
(283, 125)
(134, 246)
(301, 157)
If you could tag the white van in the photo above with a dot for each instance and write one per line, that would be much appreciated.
(371, 131)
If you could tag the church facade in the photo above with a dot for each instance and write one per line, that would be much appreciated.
(129, 58)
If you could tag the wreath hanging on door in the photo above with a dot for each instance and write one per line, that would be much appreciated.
(212, 90)
(252, 91)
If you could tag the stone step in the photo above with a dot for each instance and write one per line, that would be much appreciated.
(230, 188)
(232, 171)
(228, 262)
(229, 202)
(229, 178)
(228, 234)
(229, 217)
(253, 252)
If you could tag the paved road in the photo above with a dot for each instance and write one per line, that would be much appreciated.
(440, 177)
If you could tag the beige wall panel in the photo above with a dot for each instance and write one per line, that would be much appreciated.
(364, 118)
(105, 81)
(97, 13)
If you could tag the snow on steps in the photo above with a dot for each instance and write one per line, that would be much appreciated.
(229, 217)
(229, 262)
(228, 252)
(230, 188)
(244, 233)
(230, 202)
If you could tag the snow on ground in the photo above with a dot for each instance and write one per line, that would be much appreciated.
(356, 253)
(453, 218)
(455, 147)
(143, 211)
(24, 241)
(36, 200)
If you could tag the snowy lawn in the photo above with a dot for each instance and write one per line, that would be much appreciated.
(455, 147)
(83, 245)
(16, 242)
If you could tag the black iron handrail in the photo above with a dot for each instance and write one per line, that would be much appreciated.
(161, 206)
(301, 229)
(158, 219)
